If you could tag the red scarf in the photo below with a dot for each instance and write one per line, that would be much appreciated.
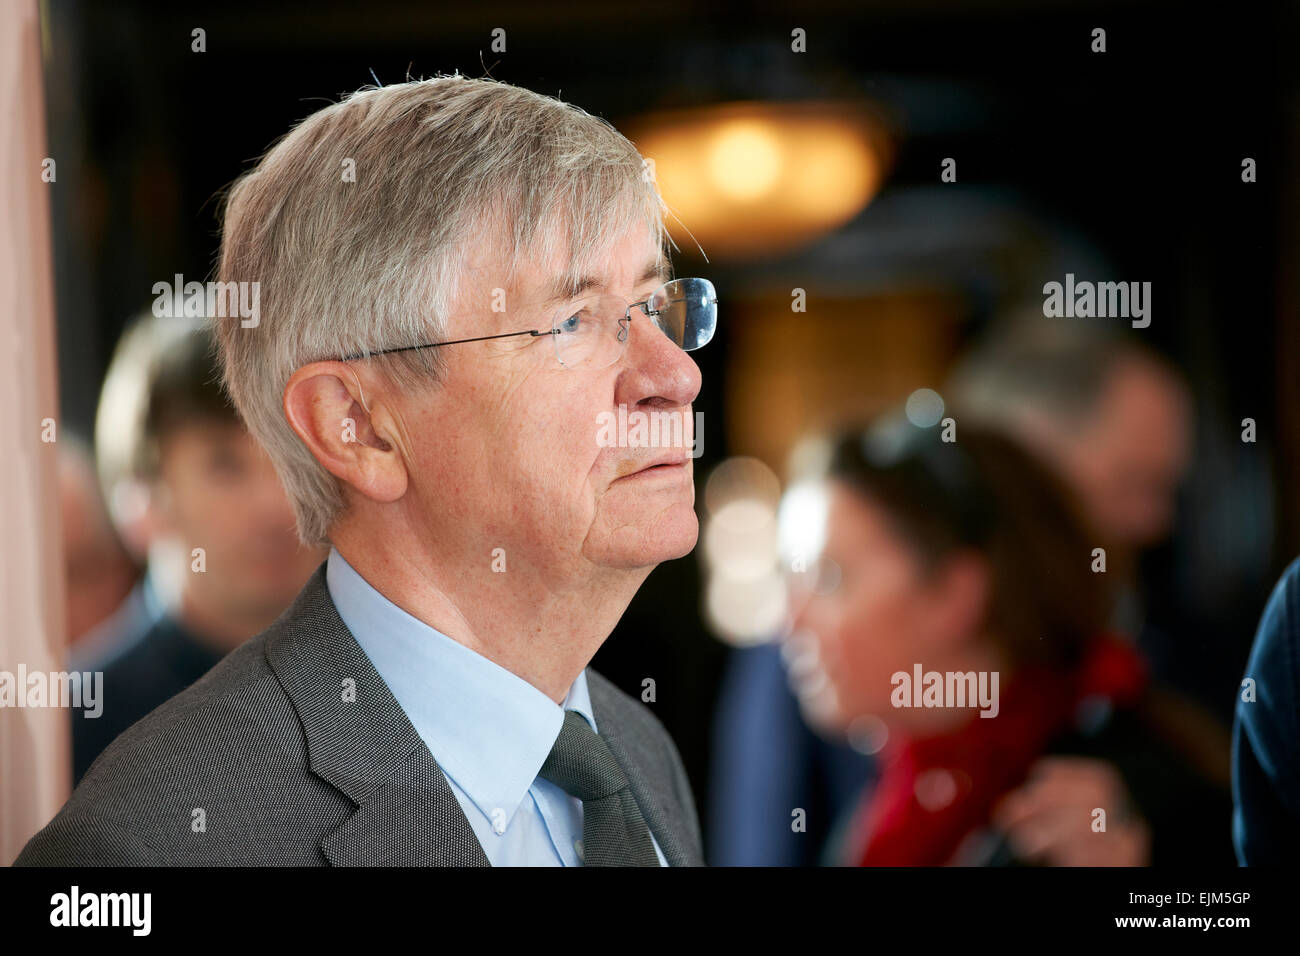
(933, 792)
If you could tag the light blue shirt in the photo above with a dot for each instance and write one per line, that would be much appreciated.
(489, 730)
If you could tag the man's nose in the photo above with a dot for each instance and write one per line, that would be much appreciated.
(660, 367)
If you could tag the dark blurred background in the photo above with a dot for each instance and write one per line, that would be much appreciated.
(1122, 165)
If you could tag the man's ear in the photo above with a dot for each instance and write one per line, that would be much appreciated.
(336, 419)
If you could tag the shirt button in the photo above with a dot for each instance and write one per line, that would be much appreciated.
(577, 846)
(498, 820)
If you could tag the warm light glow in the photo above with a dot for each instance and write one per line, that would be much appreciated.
(745, 599)
(745, 612)
(755, 179)
(745, 160)
(739, 478)
(740, 539)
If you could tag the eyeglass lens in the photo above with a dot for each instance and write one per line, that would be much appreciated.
(593, 332)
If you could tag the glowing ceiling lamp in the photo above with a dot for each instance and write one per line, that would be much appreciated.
(750, 180)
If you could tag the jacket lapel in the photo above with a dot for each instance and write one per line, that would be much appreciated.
(360, 740)
(634, 752)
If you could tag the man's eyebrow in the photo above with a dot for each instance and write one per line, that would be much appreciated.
(655, 269)
(562, 290)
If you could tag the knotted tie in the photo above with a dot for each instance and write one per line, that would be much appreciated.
(613, 831)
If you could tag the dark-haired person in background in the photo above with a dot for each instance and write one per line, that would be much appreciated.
(1266, 735)
(211, 488)
(968, 557)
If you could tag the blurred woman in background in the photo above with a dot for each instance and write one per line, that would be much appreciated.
(965, 557)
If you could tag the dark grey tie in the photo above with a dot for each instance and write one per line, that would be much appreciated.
(613, 831)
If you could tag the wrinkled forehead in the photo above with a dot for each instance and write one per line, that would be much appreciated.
(561, 258)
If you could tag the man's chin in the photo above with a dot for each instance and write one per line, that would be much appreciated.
(646, 543)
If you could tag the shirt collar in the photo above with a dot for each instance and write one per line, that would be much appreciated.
(489, 730)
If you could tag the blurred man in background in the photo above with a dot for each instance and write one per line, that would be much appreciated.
(119, 432)
(219, 516)
(1115, 420)
(1111, 417)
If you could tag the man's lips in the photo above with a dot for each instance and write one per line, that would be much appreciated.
(665, 464)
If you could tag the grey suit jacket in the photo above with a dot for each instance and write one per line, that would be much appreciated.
(293, 752)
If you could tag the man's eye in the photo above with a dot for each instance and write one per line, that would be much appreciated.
(571, 324)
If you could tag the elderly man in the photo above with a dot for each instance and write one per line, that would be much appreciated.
(458, 280)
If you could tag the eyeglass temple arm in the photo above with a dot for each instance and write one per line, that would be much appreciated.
(434, 345)
(505, 335)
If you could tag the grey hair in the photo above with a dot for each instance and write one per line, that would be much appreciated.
(353, 267)
(1033, 369)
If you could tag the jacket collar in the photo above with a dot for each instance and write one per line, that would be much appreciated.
(360, 741)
